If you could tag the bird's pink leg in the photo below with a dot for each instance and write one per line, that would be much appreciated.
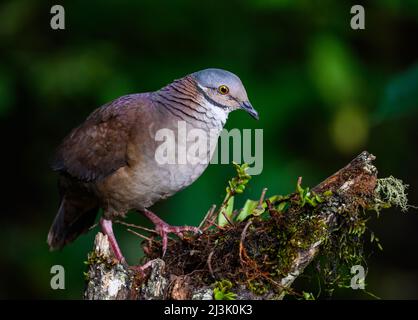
(107, 229)
(163, 228)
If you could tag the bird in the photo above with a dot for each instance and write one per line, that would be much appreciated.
(109, 161)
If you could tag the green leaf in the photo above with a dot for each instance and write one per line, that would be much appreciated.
(277, 197)
(218, 294)
(282, 206)
(258, 211)
(229, 208)
(308, 296)
(230, 296)
(221, 290)
(247, 210)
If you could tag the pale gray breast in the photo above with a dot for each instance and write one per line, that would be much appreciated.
(195, 141)
(191, 160)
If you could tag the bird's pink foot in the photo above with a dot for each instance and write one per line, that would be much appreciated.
(107, 229)
(163, 228)
(141, 269)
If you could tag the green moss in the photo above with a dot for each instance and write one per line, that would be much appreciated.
(258, 287)
(308, 197)
(298, 230)
(342, 249)
(290, 225)
(327, 193)
(222, 290)
(94, 259)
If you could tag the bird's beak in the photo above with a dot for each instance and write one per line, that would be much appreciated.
(249, 108)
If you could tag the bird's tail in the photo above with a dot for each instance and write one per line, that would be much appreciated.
(74, 218)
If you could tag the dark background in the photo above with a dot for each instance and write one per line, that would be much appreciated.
(324, 93)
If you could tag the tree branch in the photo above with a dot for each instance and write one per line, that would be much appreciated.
(258, 258)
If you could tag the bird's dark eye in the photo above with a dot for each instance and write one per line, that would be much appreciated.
(223, 89)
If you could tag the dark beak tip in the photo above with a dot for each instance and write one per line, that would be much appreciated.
(254, 114)
(249, 108)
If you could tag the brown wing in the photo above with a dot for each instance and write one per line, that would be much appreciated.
(98, 147)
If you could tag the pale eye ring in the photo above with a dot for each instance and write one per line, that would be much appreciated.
(223, 89)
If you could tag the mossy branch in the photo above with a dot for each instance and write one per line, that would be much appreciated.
(260, 250)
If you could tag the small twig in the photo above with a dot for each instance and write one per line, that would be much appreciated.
(235, 213)
(140, 235)
(207, 216)
(282, 287)
(225, 202)
(195, 271)
(136, 226)
(209, 262)
(241, 243)
(227, 218)
(218, 212)
(222, 208)
(299, 182)
(271, 209)
(212, 223)
(93, 226)
(211, 220)
(263, 195)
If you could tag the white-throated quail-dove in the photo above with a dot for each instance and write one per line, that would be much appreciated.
(109, 161)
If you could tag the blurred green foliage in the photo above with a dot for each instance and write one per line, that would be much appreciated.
(324, 93)
(401, 95)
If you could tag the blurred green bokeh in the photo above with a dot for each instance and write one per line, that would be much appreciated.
(324, 93)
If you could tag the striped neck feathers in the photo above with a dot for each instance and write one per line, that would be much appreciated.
(188, 102)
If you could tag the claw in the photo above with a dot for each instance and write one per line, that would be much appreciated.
(163, 229)
(141, 269)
